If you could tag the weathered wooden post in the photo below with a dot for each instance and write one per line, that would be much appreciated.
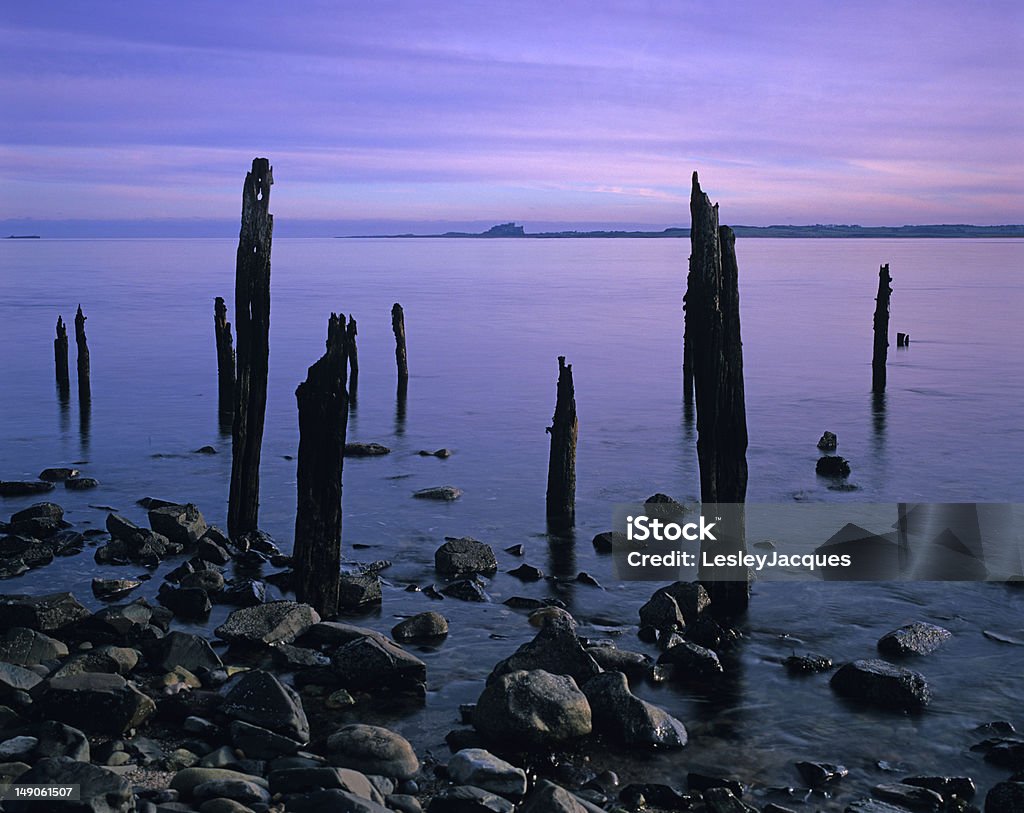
(687, 353)
(323, 421)
(252, 330)
(881, 349)
(225, 357)
(713, 320)
(564, 429)
(353, 360)
(60, 359)
(401, 358)
(84, 384)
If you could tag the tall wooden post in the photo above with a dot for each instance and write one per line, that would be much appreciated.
(713, 321)
(564, 429)
(401, 358)
(252, 328)
(323, 421)
(60, 359)
(84, 383)
(687, 353)
(353, 360)
(881, 324)
(225, 357)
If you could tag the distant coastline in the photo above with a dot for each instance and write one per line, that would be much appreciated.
(512, 230)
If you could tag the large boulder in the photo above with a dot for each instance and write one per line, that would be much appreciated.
(14, 678)
(547, 797)
(187, 780)
(261, 699)
(626, 718)
(463, 556)
(96, 702)
(183, 524)
(100, 790)
(535, 707)
(482, 769)
(555, 649)
(691, 598)
(177, 648)
(358, 590)
(276, 622)
(26, 647)
(918, 638)
(372, 750)
(45, 613)
(690, 661)
(1005, 797)
(374, 661)
(881, 684)
(59, 740)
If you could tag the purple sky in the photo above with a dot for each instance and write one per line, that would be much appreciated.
(588, 113)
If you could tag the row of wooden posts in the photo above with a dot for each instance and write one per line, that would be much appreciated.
(712, 377)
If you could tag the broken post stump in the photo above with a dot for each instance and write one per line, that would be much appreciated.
(252, 347)
(564, 429)
(881, 324)
(713, 322)
(84, 383)
(353, 359)
(225, 357)
(60, 359)
(902, 339)
(323, 422)
(401, 358)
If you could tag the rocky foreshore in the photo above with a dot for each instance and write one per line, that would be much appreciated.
(146, 716)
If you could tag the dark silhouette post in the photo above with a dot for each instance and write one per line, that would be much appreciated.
(713, 323)
(687, 354)
(401, 358)
(60, 359)
(353, 361)
(564, 429)
(84, 383)
(323, 422)
(252, 329)
(225, 357)
(881, 349)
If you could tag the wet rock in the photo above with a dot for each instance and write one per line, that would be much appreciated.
(527, 573)
(442, 453)
(918, 638)
(365, 450)
(1005, 797)
(482, 769)
(299, 780)
(403, 803)
(242, 593)
(827, 442)
(21, 488)
(466, 590)
(182, 524)
(118, 623)
(611, 658)
(81, 483)
(186, 780)
(882, 684)
(690, 661)
(17, 749)
(261, 699)
(376, 662)
(526, 603)
(96, 702)
(59, 740)
(372, 750)
(332, 634)
(288, 656)
(547, 797)
(606, 541)
(466, 799)
(464, 556)
(333, 799)
(1007, 753)
(873, 806)
(193, 652)
(723, 800)
(185, 602)
(57, 475)
(257, 742)
(516, 550)
(807, 664)
(211, 551)
(257, 541)
(662, 612)
(49, 511)
(423, 626)
(553, 615)
(272, 623)
(447, 493)
(101, 791)
(816, 774)
(626, 718)
(358, 590)
(209, 581)
(585, 578)
(533, 707)
(554, 649)
(25, 647)
(109, 589)
(46, 613)
(832, 466)
(909, 796)
(205, 450)
(946, 786)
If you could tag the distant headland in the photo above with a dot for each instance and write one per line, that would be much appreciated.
(513, 230)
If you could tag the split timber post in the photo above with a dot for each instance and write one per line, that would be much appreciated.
(323, 422)
(713, 323)
(84, 383)
(225, 357)
(252, 330)
(687, 352)
(881, 323)
(353, 360)
(60, 359)
(564, 429)
(401, 357)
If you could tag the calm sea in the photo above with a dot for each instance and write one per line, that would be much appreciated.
(486, 320)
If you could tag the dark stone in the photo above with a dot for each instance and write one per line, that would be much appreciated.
(606, 541)
(912, 797)
(688, 660)
(1006, 797)
(39, 510)
(445, 493)
(211, 551)
(14, 678)
(45, 613)
(828, 442)
(816, 774)
(21, 488)
(101, 791)
(25, 647)
(209, 581)
(534, 707)
(555, 649)
(334, 800)
(182, 524)
(376, 662)
(110, 589)
(372, 750)
(626, 718)
(547, 797)
(81, 483)
(365, 450)
(243, 593)
(297, 657)
(832, 466)
(918, 638)
(257, 742)
(632, 664)
(358, 590)
(807, 664)
(527, 573)
(662, 612)
(59, 740)
(442, 453)
(723, 800)
(882, 684)
(96, 703)
(701, 782)
(467, 799)
(270, 624)
(423, 626)
(466, 590)
(464, 556)
(261, 699)
(692, 598)
(193, 652)
(516, 550)
(946, 786)
(185, 602)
